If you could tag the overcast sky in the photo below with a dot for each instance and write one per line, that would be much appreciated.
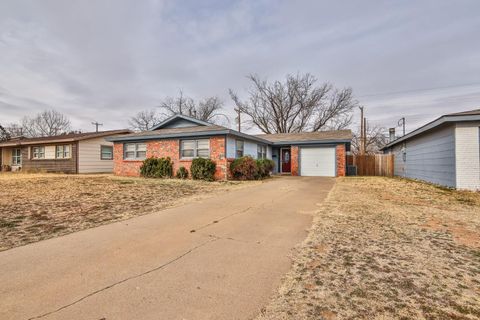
(107, 60)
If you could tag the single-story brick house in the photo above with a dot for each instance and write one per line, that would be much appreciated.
(88, 152)
(445, 151)
(183, 138)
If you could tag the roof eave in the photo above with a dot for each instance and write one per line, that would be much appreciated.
(19, 143)
(187, 135)
(168, 135)
(303, 142)
(431, 125)
(29, 143)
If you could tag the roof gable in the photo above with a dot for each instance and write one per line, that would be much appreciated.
(180, 121)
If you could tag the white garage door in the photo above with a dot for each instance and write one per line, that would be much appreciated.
(317, 162)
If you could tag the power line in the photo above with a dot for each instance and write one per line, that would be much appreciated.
(418, 90)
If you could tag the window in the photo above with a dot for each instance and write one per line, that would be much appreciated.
(239, 148)
(261, 151)
(16, 157)
(135, 151)
(38, 152)
(62, 152)
(195, 148)
(203, 148)
(106, 152)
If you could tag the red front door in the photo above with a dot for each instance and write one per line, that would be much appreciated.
(286, 161)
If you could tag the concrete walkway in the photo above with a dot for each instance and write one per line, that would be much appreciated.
(219, 258)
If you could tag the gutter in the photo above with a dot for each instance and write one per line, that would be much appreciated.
(303, 142)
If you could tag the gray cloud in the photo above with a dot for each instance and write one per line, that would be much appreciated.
(106, 60)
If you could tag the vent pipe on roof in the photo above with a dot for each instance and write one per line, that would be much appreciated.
(391, 132)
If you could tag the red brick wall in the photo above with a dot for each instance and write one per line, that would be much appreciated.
(170, 148)
(341, 160)
(294, 156)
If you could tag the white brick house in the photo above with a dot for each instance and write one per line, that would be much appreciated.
(445, 151)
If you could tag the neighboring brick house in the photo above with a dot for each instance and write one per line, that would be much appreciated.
(68, 153)
(445, 151)
(183, 138)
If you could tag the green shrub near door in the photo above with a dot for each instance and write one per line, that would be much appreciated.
(182, 173)
(203, 169)
(247, 168)
(265, 166)
(157, 168)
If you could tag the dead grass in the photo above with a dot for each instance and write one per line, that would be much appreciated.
(385, 248)
(34, 207)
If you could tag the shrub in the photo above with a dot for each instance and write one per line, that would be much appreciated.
(6, 168)
(265, 166)
(182, 173)
(203, 169)
(157, 168)
(244, 168)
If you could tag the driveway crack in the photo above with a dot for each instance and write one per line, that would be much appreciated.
(230, 238)
(212, 239)
(218, 220)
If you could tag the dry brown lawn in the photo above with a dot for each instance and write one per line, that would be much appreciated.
(34, 207)
(385, 248)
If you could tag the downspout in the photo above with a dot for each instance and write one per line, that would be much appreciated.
(77, 145)
(226, 159)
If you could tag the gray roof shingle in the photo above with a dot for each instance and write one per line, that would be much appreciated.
(308, 136)
(62, 138)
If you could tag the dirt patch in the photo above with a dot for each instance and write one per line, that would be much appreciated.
(391, 249)
(461, 233)
(34, 207)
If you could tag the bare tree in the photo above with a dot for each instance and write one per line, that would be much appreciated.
(208, 109)
(14, 130)
(376, 138)
(4, 134)
(295, 105)
(144, 120)
(46, 123)
(178, 105)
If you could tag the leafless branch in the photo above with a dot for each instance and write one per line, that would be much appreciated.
(4, 134)
(376, 139)
(207, 109)
(44, 124)
(295, 105)
(144, 120)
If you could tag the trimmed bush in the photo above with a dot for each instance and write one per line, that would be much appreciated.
(264, 166)
(244, 168)
(157, 168)
(203, 169)
(182, 173)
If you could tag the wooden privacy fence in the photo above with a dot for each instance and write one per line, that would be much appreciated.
(372, 165)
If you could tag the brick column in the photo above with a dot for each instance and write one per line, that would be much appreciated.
(341, 160)
(217, 154)
(294, 160)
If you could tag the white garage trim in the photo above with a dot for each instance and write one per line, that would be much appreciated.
(318, 161)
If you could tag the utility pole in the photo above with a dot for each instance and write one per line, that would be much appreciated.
(364, 135)
(238, 119)
(401, 122)
(362, 131)
(96, 124)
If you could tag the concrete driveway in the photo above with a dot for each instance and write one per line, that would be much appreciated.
(218, 258)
